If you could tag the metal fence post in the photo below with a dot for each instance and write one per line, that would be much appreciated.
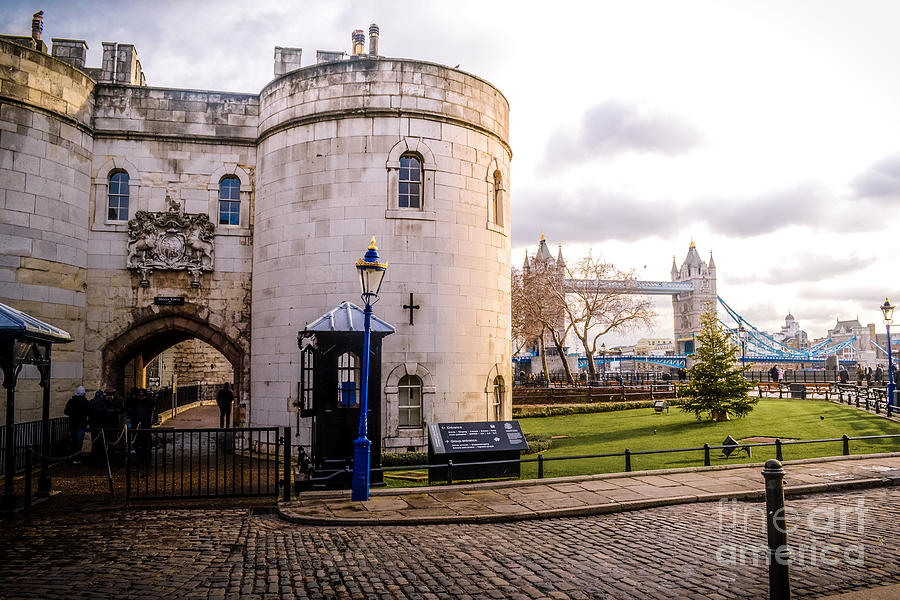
(127, 464)
(28, 474)
(846, 444)
(540, 466)
(706, 460)
(778, 452)
(287, 464)
(776, 532)
(627, 460)
(449, 472)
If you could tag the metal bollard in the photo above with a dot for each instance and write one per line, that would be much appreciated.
(706, 461)
(846, 444)
(540, 466)
(778, 554)
(627, 460)
(778, 453)
(449, 472)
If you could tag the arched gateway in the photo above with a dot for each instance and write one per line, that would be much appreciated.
(154, 331)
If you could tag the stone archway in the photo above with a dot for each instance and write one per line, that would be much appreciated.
(152, 333)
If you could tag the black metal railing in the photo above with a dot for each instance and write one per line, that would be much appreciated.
(628, 455)
(204, 463)
(30, 435)
(795, 376)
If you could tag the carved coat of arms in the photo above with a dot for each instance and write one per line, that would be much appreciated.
(172, 240)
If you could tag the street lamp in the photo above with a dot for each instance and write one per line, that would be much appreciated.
(371, 274)
(888, 311)
(603, 361)
(742, 333)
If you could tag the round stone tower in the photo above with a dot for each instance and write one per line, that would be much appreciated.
(417, 155)
(45, 159)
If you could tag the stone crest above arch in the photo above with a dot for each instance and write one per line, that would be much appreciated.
(411, 144)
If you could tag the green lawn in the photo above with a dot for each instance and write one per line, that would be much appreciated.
(644, 429)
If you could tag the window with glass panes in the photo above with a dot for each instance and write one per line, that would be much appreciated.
(117, 201)
(498, 398)
(498, 198)
(410, 195)
(410, 405)
(230, 201)
(348, 380)
(307, 364)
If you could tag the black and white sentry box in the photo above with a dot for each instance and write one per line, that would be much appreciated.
(481, 441)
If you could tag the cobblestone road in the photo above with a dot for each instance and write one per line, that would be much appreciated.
(685, 551)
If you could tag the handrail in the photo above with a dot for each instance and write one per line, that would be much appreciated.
(629, 453)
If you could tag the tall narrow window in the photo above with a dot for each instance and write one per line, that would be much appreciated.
(410, 195)
(410, 406)
(499, 392)
(117, 201)
(498, 198)
(348, 380)
(230, 201)
(305, 395)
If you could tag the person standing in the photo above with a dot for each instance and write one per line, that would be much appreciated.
(77, 409)
(225, 399)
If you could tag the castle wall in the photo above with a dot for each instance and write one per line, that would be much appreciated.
(330, 136)
(45, 156)
(176, 143)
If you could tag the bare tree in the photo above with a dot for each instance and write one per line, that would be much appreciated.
(594, 309)
(539, 309)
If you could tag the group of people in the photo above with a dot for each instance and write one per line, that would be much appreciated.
(865, 375)
(103, 413)
(776, 373)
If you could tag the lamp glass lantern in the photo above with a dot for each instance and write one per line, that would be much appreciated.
(371, 273)
(887, 309)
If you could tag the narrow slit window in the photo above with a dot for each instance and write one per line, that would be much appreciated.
(498, 198)
(497, 408)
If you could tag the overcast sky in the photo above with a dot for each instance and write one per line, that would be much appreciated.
(767, 131)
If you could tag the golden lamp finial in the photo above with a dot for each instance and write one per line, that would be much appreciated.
(372, 245)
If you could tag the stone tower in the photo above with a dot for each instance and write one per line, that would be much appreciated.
(688, 306)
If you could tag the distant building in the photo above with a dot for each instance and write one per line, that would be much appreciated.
(654, 347)
(791, 334)
(861, 349)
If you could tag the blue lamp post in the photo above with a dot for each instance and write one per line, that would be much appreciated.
(888, 311)
(371, 274)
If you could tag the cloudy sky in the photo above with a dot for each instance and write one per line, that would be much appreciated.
(767, 131)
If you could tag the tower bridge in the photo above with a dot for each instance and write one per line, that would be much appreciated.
(693, 291)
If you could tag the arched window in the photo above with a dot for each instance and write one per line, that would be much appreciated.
(410, 194)
(499, 392)
(348, 380)
(230, 201)
(117, 200)
(410, 406)
(498, 198)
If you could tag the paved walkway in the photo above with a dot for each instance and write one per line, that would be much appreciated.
(583, 496)
(707, 551)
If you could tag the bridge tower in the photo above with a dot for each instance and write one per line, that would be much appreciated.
(688, 306)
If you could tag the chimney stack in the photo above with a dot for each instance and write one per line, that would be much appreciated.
(359, 42)
(373, 39)
(37, 26)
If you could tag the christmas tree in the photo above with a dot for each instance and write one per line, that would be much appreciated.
(717, 385)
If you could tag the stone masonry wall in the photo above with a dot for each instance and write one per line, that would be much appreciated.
(45, 149)
(330, 138)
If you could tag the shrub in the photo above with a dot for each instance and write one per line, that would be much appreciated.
(402, 459)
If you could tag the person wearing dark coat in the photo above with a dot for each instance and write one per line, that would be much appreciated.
(77, 409)
(225, 399)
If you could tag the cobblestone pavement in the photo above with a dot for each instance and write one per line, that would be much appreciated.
(684, 551)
